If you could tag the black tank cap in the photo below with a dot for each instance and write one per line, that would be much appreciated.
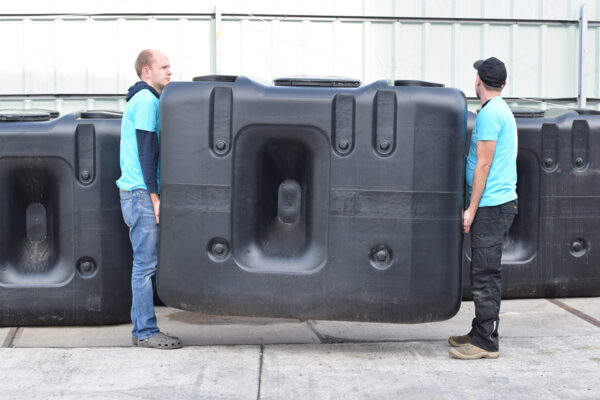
(583, 111)
(525, 112)
(27, 115)
(215, 78)
(405, 82)
(317, 81)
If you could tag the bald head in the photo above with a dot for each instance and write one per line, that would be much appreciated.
(144, 59)
(154, 68)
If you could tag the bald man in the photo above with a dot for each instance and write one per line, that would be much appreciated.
(139, 189)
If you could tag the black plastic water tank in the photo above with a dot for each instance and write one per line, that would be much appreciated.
(327, 202)
(64, 249)
(549, 251)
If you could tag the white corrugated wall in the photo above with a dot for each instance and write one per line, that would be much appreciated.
(69, 55)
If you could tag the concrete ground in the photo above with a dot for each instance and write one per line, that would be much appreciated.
(550, 349)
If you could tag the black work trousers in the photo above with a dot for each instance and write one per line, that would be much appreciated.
(490, 226)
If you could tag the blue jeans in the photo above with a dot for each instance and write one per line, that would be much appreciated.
(138, 213)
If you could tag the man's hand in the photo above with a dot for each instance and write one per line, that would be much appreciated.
(468, 217)
(156, 203)
(485, 155)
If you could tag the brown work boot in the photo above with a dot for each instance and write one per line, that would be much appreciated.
(459, 341)
(470, 352)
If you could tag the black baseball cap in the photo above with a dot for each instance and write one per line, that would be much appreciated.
(491, 71)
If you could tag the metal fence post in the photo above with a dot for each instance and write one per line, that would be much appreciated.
(583, 25)
(215, 31)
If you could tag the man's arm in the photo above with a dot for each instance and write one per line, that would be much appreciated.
(485, 155)
(148, 153)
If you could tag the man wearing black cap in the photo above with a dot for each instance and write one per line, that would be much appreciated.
(491, 176)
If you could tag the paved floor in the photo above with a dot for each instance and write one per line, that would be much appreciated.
(550, 349)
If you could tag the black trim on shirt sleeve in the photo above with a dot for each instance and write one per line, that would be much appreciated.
(147, 143)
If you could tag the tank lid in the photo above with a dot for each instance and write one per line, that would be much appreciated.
(215, 78)
(525, 112)
(584, 111)
(27, 115)
(317, 81)
(408, 82)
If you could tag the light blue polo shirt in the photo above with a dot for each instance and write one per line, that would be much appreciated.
(496, 122)
(141, 112)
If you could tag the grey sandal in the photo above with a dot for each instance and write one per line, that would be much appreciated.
(159, 341)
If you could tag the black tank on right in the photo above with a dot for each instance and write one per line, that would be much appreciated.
(551, 249)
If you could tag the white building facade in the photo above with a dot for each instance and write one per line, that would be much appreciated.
(73, 55)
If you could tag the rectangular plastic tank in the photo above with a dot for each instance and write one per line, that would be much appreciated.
(65, 256)
(550, 249)
(313, 200)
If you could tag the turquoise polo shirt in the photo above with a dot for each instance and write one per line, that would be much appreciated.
(141, 112)
(496, 122)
